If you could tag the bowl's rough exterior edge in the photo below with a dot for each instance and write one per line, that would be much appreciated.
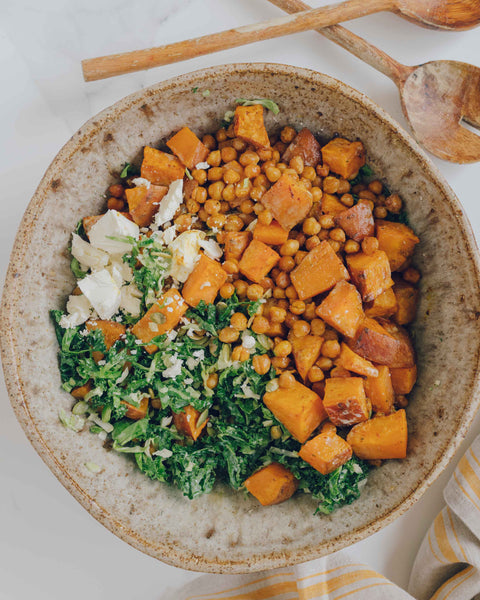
(11, 355)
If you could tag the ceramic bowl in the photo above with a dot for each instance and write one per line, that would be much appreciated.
(226, 531)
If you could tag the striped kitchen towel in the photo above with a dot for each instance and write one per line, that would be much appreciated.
(447, 564)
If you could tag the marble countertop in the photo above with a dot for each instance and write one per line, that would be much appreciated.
(50, 547)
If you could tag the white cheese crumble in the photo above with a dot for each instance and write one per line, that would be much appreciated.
(248, 341)
(130, 301)
(163, 453)
(139, 181)
(170, 203)
(102, 292)
(202, 165)
(88, 256)
(113, 224)
(79, 310)
(185, 254)
(211, 249)
(175, 367)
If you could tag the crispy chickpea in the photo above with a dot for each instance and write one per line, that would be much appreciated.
(317, 326)
(227, 290)
(311, 226)
(228, 335)
(282, 280)
(273, 174)
(216, 221)
(326, 222)
(367, 195)
(275, 272)
(316, 194)
(192, 205)
(330, 334)
(248, 158)
(239, 144)
(231, 267)
(202, 214)
(309, 173)
(411, 275)
(315, 374)
(251, 171)
(231, 176)
(231, 131)
(228, 193)
(299, 256)
(264, 154)
(328, 427)
(233, 223)
(241, 286)
(281, 166)
(296, 163)
(297, 307)
(260, 180)
(276, 154)
(347, 200)
(323, 170)
(279, 293)
(214, 158)
(343, 187)
(323, 235)
(337, 234)
(286, 380)
(267, 283)
(224, 206)
(401, 402)
(240, 353)
(394, 203)
(114, 203)
(286, 263)
(290, 319)
(215, 190)
(221, 135)
(209, 141)
(247, 207)
(260, 324)
(254, 291)
(200, 195)
(242, 189)
(312, 242)
(336, 246)
(309, 313)
(228, 153)
(287, 134)
(212, 381)
(282, 349)
(301, 238)
(261, 364)
(330, 185)
(289, 248)
(116, 190)
(291, 292)
(280, 362)
(339, 372)
(265, 217)
(277, 314)
(351, 247)
(301, 328)
(380, 212)
(183, 222)
(256, 194)
(212, 206)
(369, 245)
(215, 174)
(238, 321)
(324, 363)
(330, 349)
(376, 187)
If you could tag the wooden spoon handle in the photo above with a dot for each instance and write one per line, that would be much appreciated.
(127, 62)
(353, 43)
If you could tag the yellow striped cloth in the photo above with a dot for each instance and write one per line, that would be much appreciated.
(447, 564)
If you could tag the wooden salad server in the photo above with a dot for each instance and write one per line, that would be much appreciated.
(439, 14)
(436, 96)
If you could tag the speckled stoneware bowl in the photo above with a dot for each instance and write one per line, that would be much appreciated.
(226, 531)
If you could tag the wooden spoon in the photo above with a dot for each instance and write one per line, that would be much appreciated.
(441, 14)
(436, 96)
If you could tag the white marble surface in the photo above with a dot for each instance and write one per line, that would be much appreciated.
(50, 547)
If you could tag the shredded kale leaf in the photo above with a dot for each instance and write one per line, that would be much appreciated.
(265, 102)
(129, 170)
(364, 174)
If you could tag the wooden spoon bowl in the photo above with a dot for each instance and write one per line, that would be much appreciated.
(436, 97)
(454, 15)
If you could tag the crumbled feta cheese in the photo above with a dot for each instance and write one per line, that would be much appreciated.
(251, 227)
(102, 292)
(113, 224)
(200, 354)
(79, 310)
(163, 453)
(123, 376)
(139, 181)
(170, 203)
(172, 334)
(188, 381)
(211, 249)
(166, 421)
(248, 341)
(185, 254)
(88, 256)
(130, 300)
(175, 367)
(357, 468)
(169, 235)
(202, 165)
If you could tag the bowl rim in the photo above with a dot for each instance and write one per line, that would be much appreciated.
(12, 356)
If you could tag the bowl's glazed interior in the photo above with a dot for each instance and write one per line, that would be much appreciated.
(226, 531)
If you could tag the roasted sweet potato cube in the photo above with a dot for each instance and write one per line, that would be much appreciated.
(272, 484)
(136, 412)
(306, 350)
(350, 360)
(370, 273)
(357, 221)
(273, 234)
(397, 241)
(298, 408)
(326, 452)
(89, 222)
(390, 347)
(344, 157)
(204, 281)
(186, 422)
(248, 125)
(342, 309)
(384, 305)
(319, 271)
(235, 243)
(288, 201)
(380, 438)
(403, 379)
(143, 202)
(161, 168)
(189, 149)
(306, 146)
(161, 317)
(345, 401)
(380, 392)
(112, 331)
(407, 297)
(331, 205)
(257, 261)
(81, 391)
